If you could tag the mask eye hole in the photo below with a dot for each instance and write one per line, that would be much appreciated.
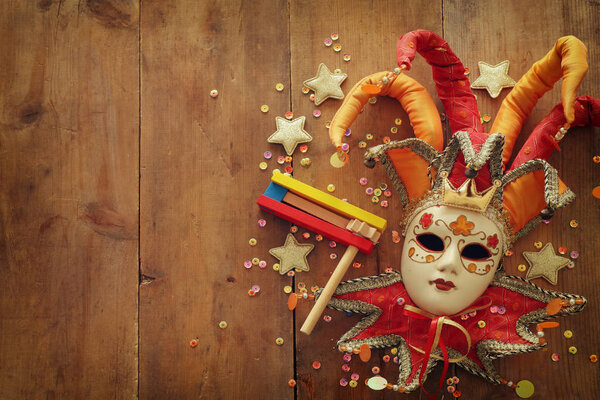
(431, 242)
(475, 251)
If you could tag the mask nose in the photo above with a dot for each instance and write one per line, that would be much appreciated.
(449, 262)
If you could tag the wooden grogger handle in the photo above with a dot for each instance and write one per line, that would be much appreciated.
(327, 293)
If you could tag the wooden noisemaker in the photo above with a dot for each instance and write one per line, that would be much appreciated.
(326, 215)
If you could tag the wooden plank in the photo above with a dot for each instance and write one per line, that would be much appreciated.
(68, 200)
(199, 185)
(523, 32)
(368, 31)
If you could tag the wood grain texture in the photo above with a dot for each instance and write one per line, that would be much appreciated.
(68, 200)
(110, 143)
(368, 31)
(199, 184)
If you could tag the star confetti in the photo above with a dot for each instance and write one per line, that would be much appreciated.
(326, 85)
(545, 264)
(493, 78)
(292, 255)
(290, 133)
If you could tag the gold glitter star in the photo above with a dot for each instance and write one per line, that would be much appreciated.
(493, 78)
(545, 264)
(326, 85)
(290, 134)
(292, 255)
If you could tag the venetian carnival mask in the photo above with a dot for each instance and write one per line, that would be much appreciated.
(464, 207)
(449, 258)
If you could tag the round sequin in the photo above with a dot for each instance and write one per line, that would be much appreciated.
(555, 357)
(363, 181)
(334, 35)
(570, 265)
(292, 383)
(316, 113)
(524, 389)
(279, 87)
(369, 136)
(467, 71)
(193, 343)
(347, 57)
(264, 108)
(247, 264)
(562, 250)
(522, 267)
(538, 244)
(255, 288)
(312, 98)
(356, 264)
(327, 42)
(331, 187)
(214, 93)
(568, 334)
(251, 293)
(451, 389)
(481, 324)
(289, 115)
(337, 47)
(377, 192)
(303, 148)
(400, 301)
(501, 310)
(305, 90)
(223, 324)
(255, 261)
(572, 349)
(279, 341)
(318, 238)
(596, 159)
(386, 358)
(262, 264)
(306, 235)
(345, 367)
(384, 204)
(263, 165)
(287, 289)
(276, 267)
(281, 160)
(394, 129)
(252, 242)
(508, 253)
(374, 199)
(327, 318)
(343, 382)
(314, 288)
(293, 229)
(486, 118)
(372, 100)
(291, 273)
(262, 223)
(574, 255)
(387, 193)
(573, 223)
(369, 191)
(316, 365)
(355, 376)
(362, 145)
(333, 256)
(593, 358)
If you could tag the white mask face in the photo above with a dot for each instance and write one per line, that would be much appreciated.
(449, 258)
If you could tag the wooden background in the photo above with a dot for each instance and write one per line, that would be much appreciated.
(127, 193)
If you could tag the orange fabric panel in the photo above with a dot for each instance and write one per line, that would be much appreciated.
(568, 60)
(412, 169)
(413, 97)
(524, 198)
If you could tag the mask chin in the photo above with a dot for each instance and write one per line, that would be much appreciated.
(449, 258)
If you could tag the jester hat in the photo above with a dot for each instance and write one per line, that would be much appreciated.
(421, 168)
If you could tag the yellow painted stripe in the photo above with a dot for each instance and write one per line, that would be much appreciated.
(328, 201)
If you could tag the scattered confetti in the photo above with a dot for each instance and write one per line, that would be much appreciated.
(214, 93)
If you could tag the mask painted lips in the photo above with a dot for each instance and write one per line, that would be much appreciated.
(443, 285)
